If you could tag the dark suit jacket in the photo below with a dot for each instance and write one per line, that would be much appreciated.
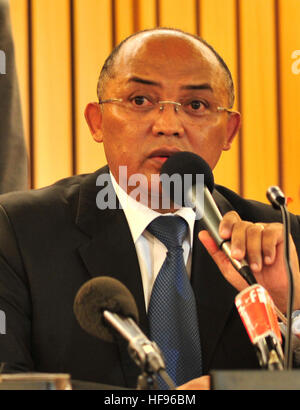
(54, 239)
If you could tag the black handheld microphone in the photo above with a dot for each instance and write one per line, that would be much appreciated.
(103, 304)
(187, 163)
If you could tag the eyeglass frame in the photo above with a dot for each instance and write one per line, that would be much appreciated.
(161, 108)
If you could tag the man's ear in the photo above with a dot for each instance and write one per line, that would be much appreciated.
(233, 126)
(93, 116)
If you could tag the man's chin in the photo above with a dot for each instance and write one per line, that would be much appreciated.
(145, 187)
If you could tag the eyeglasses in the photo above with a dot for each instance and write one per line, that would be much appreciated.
(191, 108)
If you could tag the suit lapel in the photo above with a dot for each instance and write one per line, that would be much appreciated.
(109, 251)
(214, 295)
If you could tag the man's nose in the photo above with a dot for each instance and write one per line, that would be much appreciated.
(168, 121)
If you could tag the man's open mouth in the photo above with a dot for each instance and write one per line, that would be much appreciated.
(162, 154)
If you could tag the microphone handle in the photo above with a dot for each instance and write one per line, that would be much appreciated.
(211, 218)
(145, 353)
(125, 326)
(241, 266)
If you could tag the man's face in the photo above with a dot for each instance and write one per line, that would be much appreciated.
(162, 67)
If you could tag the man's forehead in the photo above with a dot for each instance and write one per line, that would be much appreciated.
(170, 59)
(154, 47)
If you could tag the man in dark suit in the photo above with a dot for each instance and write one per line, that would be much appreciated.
(159, 93)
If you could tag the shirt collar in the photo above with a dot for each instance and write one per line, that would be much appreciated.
(140, 216)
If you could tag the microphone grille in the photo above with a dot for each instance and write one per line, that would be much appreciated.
(184, 163)
(276, 197)
(99, 294)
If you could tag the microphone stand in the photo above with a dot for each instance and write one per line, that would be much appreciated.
(278, 201)
(288, 350)
(145, 353)
(147, 380)
(151, 364)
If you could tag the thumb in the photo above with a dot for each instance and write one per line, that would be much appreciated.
(223, 263)
(218, 256)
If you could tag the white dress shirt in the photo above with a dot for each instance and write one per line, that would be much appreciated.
(151, 252)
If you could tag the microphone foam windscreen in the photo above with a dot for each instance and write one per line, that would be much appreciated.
(97, 295)
(183, 164)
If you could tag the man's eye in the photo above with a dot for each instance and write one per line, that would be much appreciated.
(197, 105)
(140, 100)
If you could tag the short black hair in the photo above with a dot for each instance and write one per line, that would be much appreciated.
(107, 69)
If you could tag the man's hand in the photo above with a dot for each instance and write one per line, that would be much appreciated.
(201, 383)
(263, 246)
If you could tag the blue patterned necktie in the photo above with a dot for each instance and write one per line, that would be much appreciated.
(172, 308)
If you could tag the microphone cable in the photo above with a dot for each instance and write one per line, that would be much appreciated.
(278, 201)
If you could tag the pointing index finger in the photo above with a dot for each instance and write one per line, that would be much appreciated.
(226, 225)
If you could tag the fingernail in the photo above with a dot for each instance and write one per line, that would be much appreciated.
(254, 266)
(268, 260)
(236, 253)
(225, 232)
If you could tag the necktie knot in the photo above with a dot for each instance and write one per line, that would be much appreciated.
(170, 230)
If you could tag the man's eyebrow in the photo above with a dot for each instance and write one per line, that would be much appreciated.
(204, 86)
(143, 81)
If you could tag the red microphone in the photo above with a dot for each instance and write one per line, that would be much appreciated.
(257, 311)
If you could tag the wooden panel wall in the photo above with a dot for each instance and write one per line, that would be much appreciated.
(217, 24)
(92, 42)
(258, 76)
(61, 45)
(289, 97)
